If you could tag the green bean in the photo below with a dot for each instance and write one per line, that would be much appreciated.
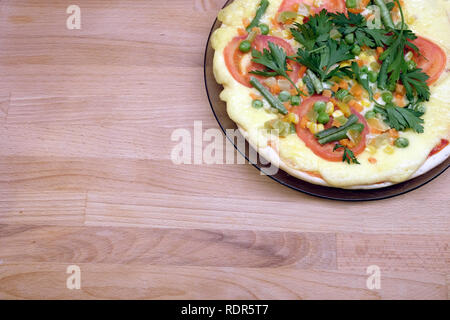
(341, 94)
(350, 121)
(382, 76)
(359, 127)
(274, 102)
(315, 81)
(385, 14)
(308, 83)
(259, 13)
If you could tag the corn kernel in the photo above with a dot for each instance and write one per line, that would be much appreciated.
(286, 34)
(337, 114)
(292, 118)
(314, 127)
(365, 103)
(410, 20)
(371, 149)
(330, 108)
(320, 127)
(276, 33)
(300, 19)
(409, 56)
(363, 56)
(389, 149)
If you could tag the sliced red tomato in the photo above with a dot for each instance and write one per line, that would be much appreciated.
(239, 64)
(433, 60)
(330, 5)
(326, 151)
(444, 143)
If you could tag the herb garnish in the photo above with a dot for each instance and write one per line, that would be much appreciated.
(362, 79)
(322, 61)
(357, 24)
(401, 118)
(416, 79)
(348, 156)
(275, 60)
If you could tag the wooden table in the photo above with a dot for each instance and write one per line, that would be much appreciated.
(86, 179)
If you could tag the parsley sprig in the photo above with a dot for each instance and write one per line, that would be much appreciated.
(362, 79)
(401, 118)
(275, 61)
(415, 80)
(322, 61)
(314, 33)
(348, 156)
(357, 24)
(320, 53)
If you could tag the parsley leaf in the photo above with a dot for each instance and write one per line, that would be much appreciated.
(362, 79)
(313, 33)
(401, 118)
(416, 80)
(348, 156)
(275, 60)
(323, 60)
(356, 23)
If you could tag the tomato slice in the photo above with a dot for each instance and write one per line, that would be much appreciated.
(326, 151)
(234, 58)
(439, 147)
(433, 61)
(330, 5)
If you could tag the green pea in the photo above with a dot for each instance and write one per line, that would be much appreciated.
(245, 46)
(420, 108)
(347, 98)
(264, 28)
(387, 97)
(402, 143)
(411, 65)
(323, 118)
(335, 34)
(391, 87)
(400, 24)
(284, 96)
(370, 114)
(257, 104)
(320, 107)
(341, 94)
(364, 69)
(351, 4)
(296, 100)
(356, 50)
(373, 76)
(350, 38)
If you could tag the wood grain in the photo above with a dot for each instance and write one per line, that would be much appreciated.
(86, 118)
(108, 281)
(167, 247)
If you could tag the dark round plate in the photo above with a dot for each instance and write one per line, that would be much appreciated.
(219, 109)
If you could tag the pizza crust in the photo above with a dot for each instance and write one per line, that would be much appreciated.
(401, 167)
(271, 155)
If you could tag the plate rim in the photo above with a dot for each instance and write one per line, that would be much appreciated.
(310, 193)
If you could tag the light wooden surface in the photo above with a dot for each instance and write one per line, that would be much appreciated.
(86, 177)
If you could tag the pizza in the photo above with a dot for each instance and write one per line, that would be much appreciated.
(342, 93)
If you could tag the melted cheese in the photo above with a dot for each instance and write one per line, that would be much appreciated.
(427, 18)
